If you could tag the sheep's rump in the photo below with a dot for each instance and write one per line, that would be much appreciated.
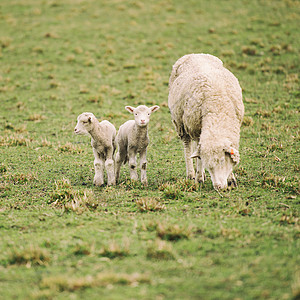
(199, 85)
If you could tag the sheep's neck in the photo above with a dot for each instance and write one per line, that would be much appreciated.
(219, 127)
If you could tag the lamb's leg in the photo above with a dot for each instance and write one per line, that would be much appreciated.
(143, 166)
(118, 166)
(132, 165)
(200, 174)
(99, 169)
(109, 166)
(120, 159)
(231, 180)
(190, 172)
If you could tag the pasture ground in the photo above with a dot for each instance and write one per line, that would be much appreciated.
(63, 238)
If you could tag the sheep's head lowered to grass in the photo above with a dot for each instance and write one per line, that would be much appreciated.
(219, 162)
(142, 113)
(84, 123)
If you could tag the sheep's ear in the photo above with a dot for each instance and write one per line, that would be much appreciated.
(196, 154)
(234, 154)
(90, 120)
(154, 108)
(130, 109)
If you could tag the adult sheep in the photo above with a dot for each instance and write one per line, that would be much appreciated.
(205, 101)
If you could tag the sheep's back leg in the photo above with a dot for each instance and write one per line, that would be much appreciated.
(187, 143)
(99, 168)
(109, 166)
(132, 164)
(143, 166)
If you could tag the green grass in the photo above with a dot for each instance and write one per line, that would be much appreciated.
(63, 238)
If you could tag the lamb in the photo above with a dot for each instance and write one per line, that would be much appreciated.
(205, 101)
(103, 142)
(132, 138)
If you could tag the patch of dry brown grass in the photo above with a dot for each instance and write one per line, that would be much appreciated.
(65, 283)
(31, 255)
(150, 204)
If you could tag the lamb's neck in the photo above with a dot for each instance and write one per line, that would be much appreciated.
(95, 132)
(141, 131)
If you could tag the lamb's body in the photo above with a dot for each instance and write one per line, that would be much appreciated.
(133, 139)
(205, 101)
(103, 142)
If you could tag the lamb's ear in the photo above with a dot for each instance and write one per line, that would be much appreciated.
(130, 109)
(90, 119)
(154, 108)
(234, 154)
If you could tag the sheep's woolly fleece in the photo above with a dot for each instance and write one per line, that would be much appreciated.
(205, 101)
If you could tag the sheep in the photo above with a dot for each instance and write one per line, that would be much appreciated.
(205, 101)
(103, 142)
(132, 138)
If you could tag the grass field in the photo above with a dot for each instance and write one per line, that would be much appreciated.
(63, 238)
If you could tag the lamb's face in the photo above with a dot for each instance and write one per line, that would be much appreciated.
(142, 114)
(84, 124)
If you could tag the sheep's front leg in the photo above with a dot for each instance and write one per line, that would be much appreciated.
(190, 172)
(231, 180)
(132, 164)
(143, 166)
(109, 166)
(200, 174)
(99, 169)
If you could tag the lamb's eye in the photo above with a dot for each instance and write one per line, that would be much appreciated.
(135, 114)
(148, 114)
(84, 122)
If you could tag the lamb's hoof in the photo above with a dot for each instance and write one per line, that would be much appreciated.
(134, 179)
(145, 183)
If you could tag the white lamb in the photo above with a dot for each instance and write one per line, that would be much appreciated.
(103, 142)
(132, 138)
(205, 101)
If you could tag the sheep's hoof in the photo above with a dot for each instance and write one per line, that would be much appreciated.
(98, 182)
(200, 177)
(232, 183)
(145, 183)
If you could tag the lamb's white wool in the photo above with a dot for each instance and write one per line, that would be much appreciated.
(205, 101)
(103, 142)
(132, 138)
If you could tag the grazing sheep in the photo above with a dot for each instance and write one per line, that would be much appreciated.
(205, 101)
(132, 139)
(103, 142)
